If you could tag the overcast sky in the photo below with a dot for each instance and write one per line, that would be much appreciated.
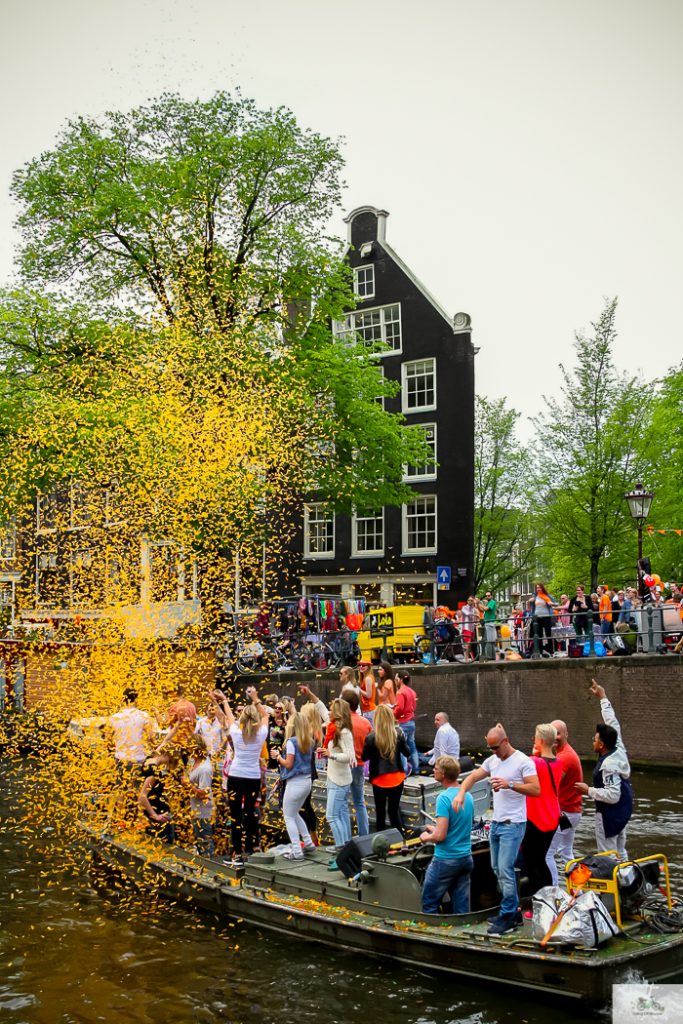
(529, 151)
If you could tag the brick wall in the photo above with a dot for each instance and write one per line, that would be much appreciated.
(646, 693)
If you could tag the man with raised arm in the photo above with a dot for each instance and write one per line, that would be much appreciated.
(611, 788)
(513, 778)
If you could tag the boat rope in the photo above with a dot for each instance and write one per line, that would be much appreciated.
(657, 916)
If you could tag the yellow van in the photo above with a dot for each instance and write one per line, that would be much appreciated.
(394, 628)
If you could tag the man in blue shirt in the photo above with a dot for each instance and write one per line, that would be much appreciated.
(452, 864)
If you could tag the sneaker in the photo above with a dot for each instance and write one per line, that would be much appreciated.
(309, 850)
(505, 923)
(237, 862)
(293, 856)
(332, 866)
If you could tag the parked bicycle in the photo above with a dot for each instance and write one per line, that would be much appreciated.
(434, 646)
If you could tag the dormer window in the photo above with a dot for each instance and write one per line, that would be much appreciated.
(364, 281)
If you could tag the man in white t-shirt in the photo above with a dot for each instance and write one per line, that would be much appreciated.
(131, 731)
(513, 778)
(210, 729)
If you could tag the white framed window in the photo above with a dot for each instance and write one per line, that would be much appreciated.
(8, 542)
(82, 502)
(318, 531)
(418, 385)
(427, 470)
(367, 535)
(82, 559)
(374, 326)
(419, 525)
(47, 559)
(364, 281)
(381, 398)
(46, 512)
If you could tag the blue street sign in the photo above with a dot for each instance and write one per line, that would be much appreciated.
(443, 576)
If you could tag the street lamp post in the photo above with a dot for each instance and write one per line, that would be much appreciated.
(639, 502)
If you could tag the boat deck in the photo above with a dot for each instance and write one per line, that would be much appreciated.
(380, 915)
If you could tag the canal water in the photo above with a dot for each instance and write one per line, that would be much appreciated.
(69, 954)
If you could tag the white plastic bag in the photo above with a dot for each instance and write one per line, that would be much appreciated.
(586, 922)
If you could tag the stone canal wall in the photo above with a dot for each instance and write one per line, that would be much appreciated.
(646, 691)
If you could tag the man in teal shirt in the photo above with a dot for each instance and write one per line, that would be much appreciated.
(490, 610)
(452, 864)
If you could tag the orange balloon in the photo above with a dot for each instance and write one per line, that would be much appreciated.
(505, 632)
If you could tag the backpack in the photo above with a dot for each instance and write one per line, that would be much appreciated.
(616, 644)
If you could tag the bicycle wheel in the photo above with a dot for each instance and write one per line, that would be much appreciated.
(299, 655)
(331, 655)
(424, 649)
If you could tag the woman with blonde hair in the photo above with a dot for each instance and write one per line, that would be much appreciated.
(383, 749)
(315, 725)
(295, 771)
(340, 759)
(543, 811)
(349, 679)
(244, 775)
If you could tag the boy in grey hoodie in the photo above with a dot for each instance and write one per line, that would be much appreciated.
(611, 789)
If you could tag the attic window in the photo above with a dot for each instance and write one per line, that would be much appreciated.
(364, 281)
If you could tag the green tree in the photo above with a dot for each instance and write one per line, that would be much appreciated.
(197, 368)
(503, 481)
(589, 457)
(662, 446)
(212, 211)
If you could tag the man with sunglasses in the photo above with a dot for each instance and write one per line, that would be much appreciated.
(513, 778)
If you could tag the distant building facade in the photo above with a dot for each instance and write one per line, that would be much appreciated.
(393, 556)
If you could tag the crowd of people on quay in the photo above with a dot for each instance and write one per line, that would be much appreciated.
(541, 625)
(214, 765)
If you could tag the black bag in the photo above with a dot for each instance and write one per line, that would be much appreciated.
(616, 644)
(564, 823)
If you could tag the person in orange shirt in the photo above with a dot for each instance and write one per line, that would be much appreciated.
(368, 690)
(386, 693)
(605, 610)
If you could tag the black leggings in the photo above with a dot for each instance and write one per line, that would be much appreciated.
(544, 624)
(242, 797)
(392, 796)
(534, 849)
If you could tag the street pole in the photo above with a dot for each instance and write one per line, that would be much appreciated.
(639, 502)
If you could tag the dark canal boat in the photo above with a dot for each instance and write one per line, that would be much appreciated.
(378, 913)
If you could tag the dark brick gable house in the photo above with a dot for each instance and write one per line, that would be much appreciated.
(393, 556)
